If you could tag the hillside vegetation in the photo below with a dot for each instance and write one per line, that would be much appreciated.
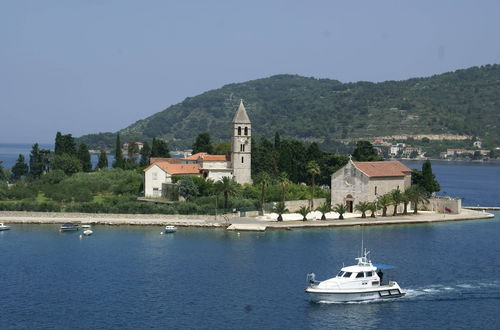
(464, 102)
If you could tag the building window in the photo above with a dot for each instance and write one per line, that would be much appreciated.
(154, 176)
(375, 190)
(242, 160)
(242, 147)
(246, 130)
(239, 130)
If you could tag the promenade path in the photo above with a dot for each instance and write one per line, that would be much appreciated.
(229, 221)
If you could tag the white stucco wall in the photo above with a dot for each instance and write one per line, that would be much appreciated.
(154, 177)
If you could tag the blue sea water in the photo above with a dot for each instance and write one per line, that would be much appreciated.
(134, 278)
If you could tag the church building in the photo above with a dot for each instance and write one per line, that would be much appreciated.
(365, 181)
(238, 165)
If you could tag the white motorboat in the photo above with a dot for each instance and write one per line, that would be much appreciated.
(4, 227)
(354, 283)
(87, 232)
(86, 226)
(68, 226)
(170, 229)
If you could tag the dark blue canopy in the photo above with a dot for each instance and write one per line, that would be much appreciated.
(381, 266)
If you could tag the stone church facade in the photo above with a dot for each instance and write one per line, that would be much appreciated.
(366, 181)
(158, 175)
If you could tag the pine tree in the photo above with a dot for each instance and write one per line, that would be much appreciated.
(84, 157)
(119, 160)
(36, 163)
(58, 144)
(103, 160)
(159, 148)
(20, 169)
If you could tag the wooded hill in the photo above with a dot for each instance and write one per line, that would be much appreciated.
(464, 102)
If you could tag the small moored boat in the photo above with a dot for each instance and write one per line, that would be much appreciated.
(170, 229)
(87, 232)
(4, 227)
(68, 226)
(354, 283)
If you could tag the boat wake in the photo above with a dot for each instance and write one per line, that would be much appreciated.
(438, 292)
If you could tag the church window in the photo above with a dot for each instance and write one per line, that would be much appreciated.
(239, 130)
(242, 147)
(246, 130)
(242, 160)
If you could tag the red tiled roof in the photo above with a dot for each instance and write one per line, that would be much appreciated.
(207, 158)
(196, 156)
(168, 160)
(176, 168)
(382, 169)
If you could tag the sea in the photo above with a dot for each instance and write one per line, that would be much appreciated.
(133, 277)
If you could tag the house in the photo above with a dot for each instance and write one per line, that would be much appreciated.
(396, 149)
(158, 175)
(365, 181)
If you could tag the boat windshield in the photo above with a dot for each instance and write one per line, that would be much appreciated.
(340, 274)
(347, 274)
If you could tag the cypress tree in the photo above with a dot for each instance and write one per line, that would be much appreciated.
(202, 144)
(429, 182)
(84, 157)
(58, 144)
(145, 154)
(119, 160)
(36, 162)
(103, 160)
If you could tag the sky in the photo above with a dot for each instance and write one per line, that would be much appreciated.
(89, 66)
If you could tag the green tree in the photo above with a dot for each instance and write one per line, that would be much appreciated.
(364, 152)
(102, 162)
(202, 144)
(228, 187)
(362, 207)
(340, 209)
(280, 208)
(67, 163)
(36, 162)
(313, 170)
(20, 168)
(145, 154)
(396, 199)
(263, 180)
(405, 199)
(119, 160)
(222, 148)
(3, 172)
(188, 189)
(373, 207)
(417, 195)
(84, 157)
(65, 144)
(159, 148)
(384, 201)
(430, 184)
(304, 211)
(324, 208)
(284, 183)
(132, 152)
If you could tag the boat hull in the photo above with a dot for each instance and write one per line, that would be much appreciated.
(343, 296)
(4, 228)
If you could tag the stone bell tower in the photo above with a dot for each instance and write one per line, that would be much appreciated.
(241, 146)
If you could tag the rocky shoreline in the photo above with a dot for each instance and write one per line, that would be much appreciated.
(228, 221)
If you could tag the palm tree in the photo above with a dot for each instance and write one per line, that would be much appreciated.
(384, 201)
(304, 211)
(263, 179)
(405, 199)
(362, 207)
(340, 209)
(313, 169)
(280, 208)
(417, 195)
(396, 200)
(324, 208)
(373, 207)
(228, 187)
(284, 183)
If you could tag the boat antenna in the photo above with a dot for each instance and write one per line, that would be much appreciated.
(362, 238)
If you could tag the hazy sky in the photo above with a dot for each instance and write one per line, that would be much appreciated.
(95, 65)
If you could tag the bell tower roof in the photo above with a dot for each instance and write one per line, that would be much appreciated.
(241, 116)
